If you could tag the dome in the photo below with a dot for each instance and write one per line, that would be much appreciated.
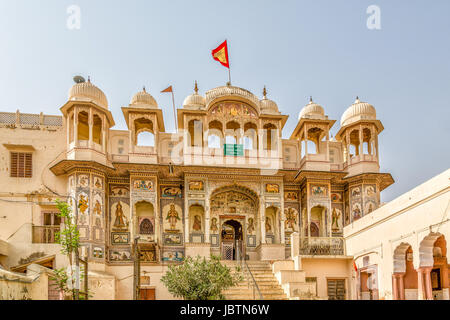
(227, 91)
(194, 101)
(143, 99)
(268, 106)
(86, 91)
(358, 111)
(312, 111)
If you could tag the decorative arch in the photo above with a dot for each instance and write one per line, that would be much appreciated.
(427, 250)
(400, 257)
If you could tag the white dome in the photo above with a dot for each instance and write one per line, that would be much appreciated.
(143, 99)
(194, 101)
(86, 91)
(358, 111)
(312, 111)
(268, 106)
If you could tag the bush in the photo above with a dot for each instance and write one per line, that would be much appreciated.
(200, 279)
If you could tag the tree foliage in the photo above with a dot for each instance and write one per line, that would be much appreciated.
(200, 279)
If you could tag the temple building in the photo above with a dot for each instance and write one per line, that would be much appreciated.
(304, 212)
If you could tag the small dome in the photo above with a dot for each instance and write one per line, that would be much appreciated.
(358, 111)
(143, 99)
(268, 106)
(312, 111)
(194, 101)
(86, 91)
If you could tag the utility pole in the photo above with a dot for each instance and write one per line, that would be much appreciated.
(136, 270)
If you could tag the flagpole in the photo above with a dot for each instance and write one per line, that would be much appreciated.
(229, 75)
(174, 113)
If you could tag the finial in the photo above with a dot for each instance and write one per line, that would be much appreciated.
(310, 99)
(143, 89)
(89, 79)
(196, 87)
(264, 92)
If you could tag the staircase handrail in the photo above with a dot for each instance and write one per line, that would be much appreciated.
(250, 278)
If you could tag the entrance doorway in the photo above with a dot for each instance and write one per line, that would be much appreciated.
(231, 240)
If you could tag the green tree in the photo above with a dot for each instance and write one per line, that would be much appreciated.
(200, 279)
(69, 239)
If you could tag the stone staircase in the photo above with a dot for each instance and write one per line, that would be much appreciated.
(264, 277)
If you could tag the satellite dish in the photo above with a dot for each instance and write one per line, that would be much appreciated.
(78, 79)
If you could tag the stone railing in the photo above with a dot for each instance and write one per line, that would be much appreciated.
(322, 246)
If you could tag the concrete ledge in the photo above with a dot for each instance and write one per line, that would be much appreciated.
(282, 265)
(285, 276)
(300, 290)
(271, 251)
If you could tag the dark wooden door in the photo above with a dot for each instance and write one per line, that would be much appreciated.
(336, 289)
(147, 294)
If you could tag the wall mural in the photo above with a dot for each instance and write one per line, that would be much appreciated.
(272, 188)
(119, 191)
(290, 195)
(83, 208)
(83, 180)
(291, 215)
(196, 186)
(143, 185)
(173, 256)
(370, 206)
(356, 211)
(232, 202)
(120, 216)
(319, 191)
(214, 228)
(251, 226)
(336, 197)
(98, 182)
(119, 255)
(98, 210)
(233, 109)
(356, 192)
(171, 192)
(172, 218)
(336, 219)
(370, 191)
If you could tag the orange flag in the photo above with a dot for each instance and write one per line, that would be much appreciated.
(221, 54)
(168, 89)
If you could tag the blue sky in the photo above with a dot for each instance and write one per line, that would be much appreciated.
(295, 48)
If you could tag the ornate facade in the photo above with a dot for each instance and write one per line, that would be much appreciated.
(226, 183)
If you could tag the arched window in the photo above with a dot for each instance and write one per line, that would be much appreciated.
(97, 130)
(195, 130)
(145, 214)
(145, 139)
(313, 140)
(144, 135)
(311, 147)
(250, 136)
(232, 133)
(354, 143)
(215, 134)
(270, 137)
(367, 146)
(83, 126)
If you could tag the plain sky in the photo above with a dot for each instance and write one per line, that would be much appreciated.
(295, 48)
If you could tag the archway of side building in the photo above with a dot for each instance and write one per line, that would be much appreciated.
(433, 275)
(404, 277)
(235, 222)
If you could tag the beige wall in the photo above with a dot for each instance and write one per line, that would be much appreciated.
(408, 219)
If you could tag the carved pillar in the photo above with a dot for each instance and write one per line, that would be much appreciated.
(401, 285)
(420, 285)
(262, 214)
(282, 226)
(207, 224)
(75, 127)
(428, 288)
(394, 287)
(104, 131)
(91, 127)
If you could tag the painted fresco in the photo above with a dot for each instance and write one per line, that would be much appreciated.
(290, 217)
(272, 188)
(171, 192)
(172, 215)
(196, 186)
(143, 185)
(319, 191)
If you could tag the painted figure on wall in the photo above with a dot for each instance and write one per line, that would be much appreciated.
(120, 221)
(197, 226)
(272, 188)
(335, 216)
(356, 211)
(268, 225)
(251, 226)
(172, 216)
(291, 218)
(319, 191)
(83, 203)
(214, 227)
(196, 185)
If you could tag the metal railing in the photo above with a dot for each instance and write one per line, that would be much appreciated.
(322, 246)
(242, 263)
(45, 234)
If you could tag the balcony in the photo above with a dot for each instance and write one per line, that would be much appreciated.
(45, 234)
(322, 246)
